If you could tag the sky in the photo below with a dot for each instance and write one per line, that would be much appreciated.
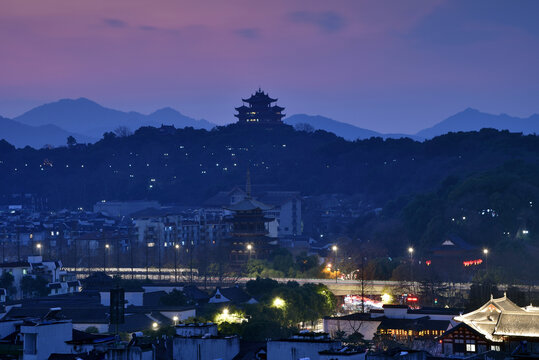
(390, 66)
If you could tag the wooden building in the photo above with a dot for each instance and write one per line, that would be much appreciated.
(498, 325)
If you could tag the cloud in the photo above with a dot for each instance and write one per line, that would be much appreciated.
(327, 21)
(114, 23)
(248, 33)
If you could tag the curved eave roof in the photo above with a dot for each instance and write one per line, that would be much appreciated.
(248, 204)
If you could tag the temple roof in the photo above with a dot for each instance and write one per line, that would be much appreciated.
(502, 317)
(248, 204)
(259, 97)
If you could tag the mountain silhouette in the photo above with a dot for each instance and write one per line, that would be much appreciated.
(473, 120)
(22, 135)
(91, 119)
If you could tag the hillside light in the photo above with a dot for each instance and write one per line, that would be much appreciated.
(410, 250)
(155, 325)
(278, 303)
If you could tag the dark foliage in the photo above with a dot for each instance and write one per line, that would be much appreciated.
(190, 165)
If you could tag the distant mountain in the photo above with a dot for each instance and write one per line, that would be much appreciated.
(91, 119)
(472, 120)
(344, 130)
(22, 135)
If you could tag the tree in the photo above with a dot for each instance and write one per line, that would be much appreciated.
(304, 127)
(123, 131)
(71, 141)
(6, 282)
(175, 298)
(34, 286)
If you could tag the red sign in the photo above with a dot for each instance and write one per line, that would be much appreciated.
(411, 299)
(473, 262)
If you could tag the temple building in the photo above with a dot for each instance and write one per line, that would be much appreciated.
(248, 237)
(498, 325)
(259, 109)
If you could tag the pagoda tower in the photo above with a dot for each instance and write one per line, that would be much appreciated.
(259, 110)
(248, 237)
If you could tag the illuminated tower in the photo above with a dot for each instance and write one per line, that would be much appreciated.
(259, 110)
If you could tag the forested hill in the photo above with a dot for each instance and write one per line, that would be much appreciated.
(187, 166)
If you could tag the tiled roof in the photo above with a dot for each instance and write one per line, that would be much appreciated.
(502, 317)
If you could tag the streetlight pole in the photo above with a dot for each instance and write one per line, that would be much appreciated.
(250, 248)
(411, 252)
(105, 253)
(38, 246)
(335, 248)
(176, 248)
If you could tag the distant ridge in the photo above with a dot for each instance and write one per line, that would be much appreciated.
(22, 135)
(91, 119)
(344, 130)
(474, 120)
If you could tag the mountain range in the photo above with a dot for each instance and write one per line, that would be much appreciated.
(52, 123)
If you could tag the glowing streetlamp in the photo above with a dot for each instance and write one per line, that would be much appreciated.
(485, 252)
(105, 254)
(39, 246)
(386, 298)
(155, 326)
(250, 248)
(175, 319)
(334, 248)
(411, 252)
(278, 303)
(176, 248)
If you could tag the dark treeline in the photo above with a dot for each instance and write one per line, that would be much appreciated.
(187, 166)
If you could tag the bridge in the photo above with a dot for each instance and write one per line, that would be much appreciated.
(170, 276)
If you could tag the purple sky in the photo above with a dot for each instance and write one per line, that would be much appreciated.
(390, 66)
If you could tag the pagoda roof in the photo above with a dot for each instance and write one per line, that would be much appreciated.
(259, 97)
(248, 204)
(502, 317)
(242, 108)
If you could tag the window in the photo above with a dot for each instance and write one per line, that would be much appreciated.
(459, 347)
(495, 347)
(470, 346)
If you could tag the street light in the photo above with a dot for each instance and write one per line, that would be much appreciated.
(411, 252)
(105, 253)
(155, 325)
(250, 248)
(38, 246)
(176, 248)
(485, 252)
(175, 319)
(278, 303)
(335, 248)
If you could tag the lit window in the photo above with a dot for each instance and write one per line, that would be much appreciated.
(470, 346)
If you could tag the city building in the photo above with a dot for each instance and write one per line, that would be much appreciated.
(202, 341)
(259, 110)
(305, 345)
(398, 322)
